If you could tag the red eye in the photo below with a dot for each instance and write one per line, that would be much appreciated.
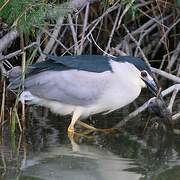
(143, 74)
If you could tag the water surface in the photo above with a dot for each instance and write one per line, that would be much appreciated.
(46, 152)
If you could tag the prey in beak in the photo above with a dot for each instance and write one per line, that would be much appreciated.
(157, 105)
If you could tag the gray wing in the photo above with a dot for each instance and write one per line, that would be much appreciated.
(69, 87)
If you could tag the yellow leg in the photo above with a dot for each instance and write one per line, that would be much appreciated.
(71, 128)
(71, 131)
(75, 116)
(77, 113)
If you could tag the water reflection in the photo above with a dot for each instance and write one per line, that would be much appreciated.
(158, 155)
(46, 152)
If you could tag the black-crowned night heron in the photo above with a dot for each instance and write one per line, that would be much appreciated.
(84, 85)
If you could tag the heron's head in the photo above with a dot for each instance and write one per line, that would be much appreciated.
(148, 82)
(145, 76)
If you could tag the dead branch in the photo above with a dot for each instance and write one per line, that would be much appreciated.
(73, 4)
(176, 116)
(56, 40)
(16, 53)
(165, 36)
(98, 20)
(166, 75)
(7, 40)
(172, 99)
(84, 29)
(117, 51)
(74, 35)
(113, 29)
(105, 53)
(155, 19)
(124, 12)
(52, 39)
(95, 23)
(174, 57)
(138, 45)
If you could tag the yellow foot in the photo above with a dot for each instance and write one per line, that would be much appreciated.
(85, 125)
(93, 128)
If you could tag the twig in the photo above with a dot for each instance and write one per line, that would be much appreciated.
(144, 26)
(19, 144)
(166, 75)
(170, 89)
(172, 99)
(152, 18)
(144, 57)
(158, 94)
(165, 40)
(19, 123)
(124, 12)
(162, 39)
(119, 52)
(95, 22)
(24, 13)
(23, 73)
(3, 154)
(75, 4)
(174, 57)
(147, 122)
(8, 64)
(4, 5)
(58, 41)
(74, 34)
(16, 53)
(101, 48)
(23, 103)
(3, 104)
(143, 35)
(2, 68)
(176, 116)
(145, 29)
(178, 73)
(84, 28)
(113, 29)
(53, 38)
(7, 40)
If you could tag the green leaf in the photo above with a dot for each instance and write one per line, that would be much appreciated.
(27, 13)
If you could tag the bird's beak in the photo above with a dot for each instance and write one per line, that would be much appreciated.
(151, 85)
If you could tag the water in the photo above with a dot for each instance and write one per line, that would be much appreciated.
(46, 152)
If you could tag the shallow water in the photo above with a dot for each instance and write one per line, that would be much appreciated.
(46, 152)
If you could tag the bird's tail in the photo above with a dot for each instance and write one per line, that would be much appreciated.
(28, 98)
